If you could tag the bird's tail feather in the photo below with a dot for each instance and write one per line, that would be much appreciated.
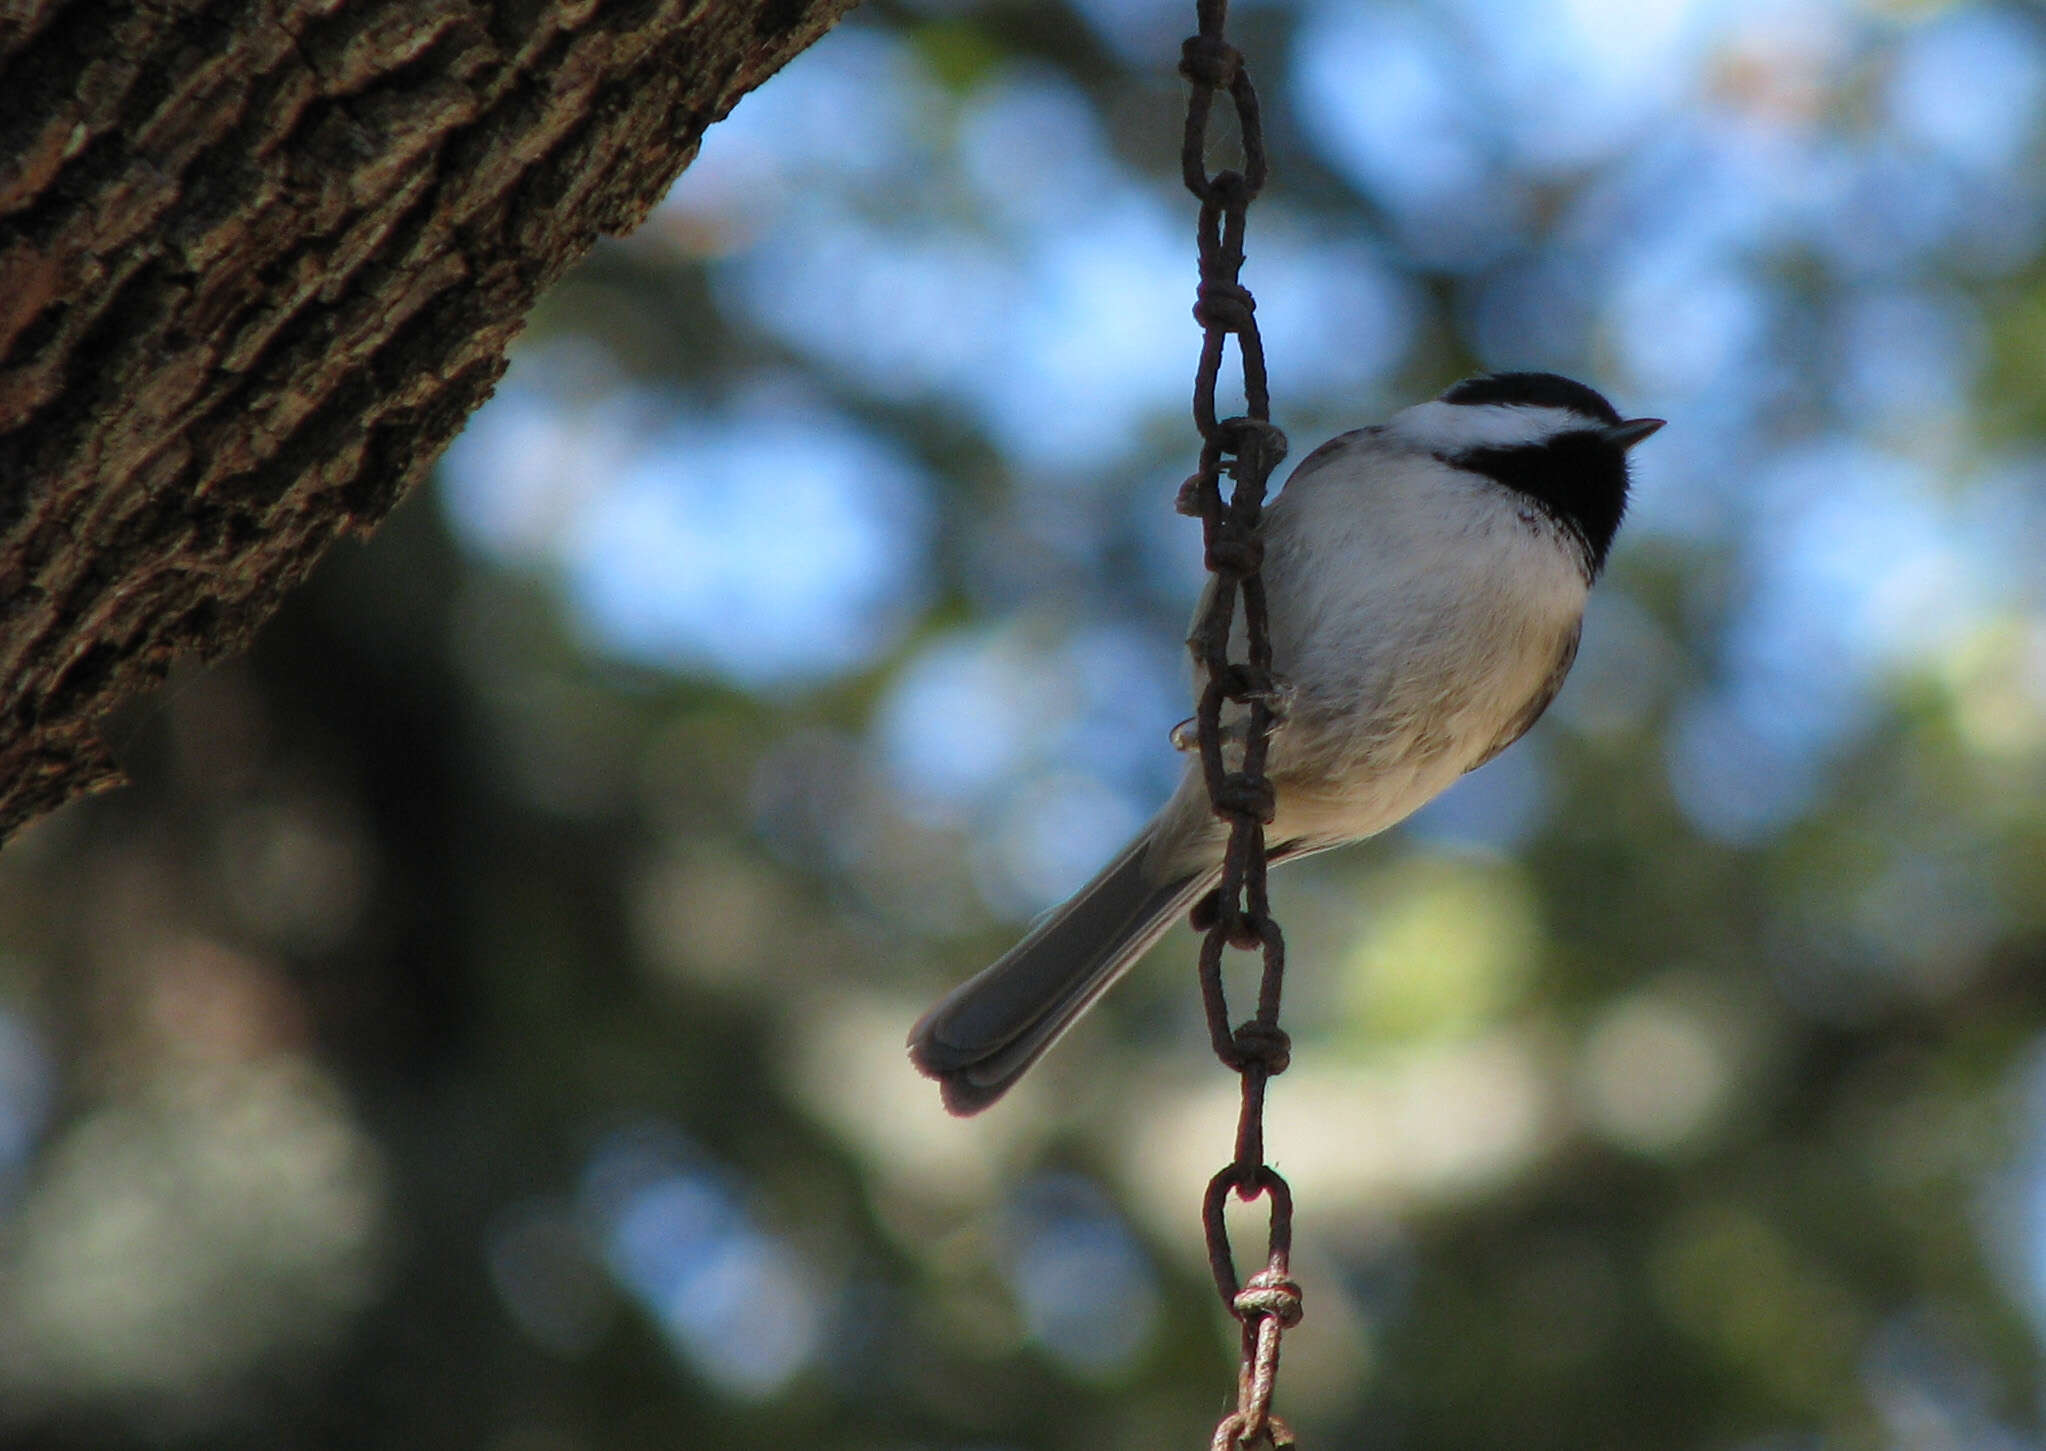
(979, 1038)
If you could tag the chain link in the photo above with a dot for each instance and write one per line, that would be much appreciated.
(1237, 914)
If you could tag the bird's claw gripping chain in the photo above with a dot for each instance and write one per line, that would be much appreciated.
(1277, 696)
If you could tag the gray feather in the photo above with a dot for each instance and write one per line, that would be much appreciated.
(980, 1037)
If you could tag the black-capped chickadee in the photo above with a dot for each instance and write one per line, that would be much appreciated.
(1426, 581)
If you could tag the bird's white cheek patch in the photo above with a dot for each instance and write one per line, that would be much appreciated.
(1451, 428)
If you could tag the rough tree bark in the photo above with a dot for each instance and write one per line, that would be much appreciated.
(259, 259)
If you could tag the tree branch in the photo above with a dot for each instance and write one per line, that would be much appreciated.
(259, 260)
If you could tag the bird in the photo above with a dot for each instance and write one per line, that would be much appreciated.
(1425, 581)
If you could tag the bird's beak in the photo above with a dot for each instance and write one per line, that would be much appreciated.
(1624, 436)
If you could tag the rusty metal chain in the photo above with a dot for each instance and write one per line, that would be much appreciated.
(1237, 914)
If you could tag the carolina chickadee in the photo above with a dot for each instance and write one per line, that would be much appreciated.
(1426, 581)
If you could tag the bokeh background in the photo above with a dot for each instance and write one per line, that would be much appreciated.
(481, 1024)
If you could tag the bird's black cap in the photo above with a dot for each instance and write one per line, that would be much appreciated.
(1536, 390)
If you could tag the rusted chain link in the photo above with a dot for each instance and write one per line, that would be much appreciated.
(1237, 914)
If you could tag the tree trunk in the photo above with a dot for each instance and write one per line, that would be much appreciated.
(259, 259)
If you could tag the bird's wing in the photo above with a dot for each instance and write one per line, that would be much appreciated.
(1274, 527)
(1539, 701)
(1328, 451)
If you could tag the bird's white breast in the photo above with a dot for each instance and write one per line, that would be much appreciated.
(1416, 611)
